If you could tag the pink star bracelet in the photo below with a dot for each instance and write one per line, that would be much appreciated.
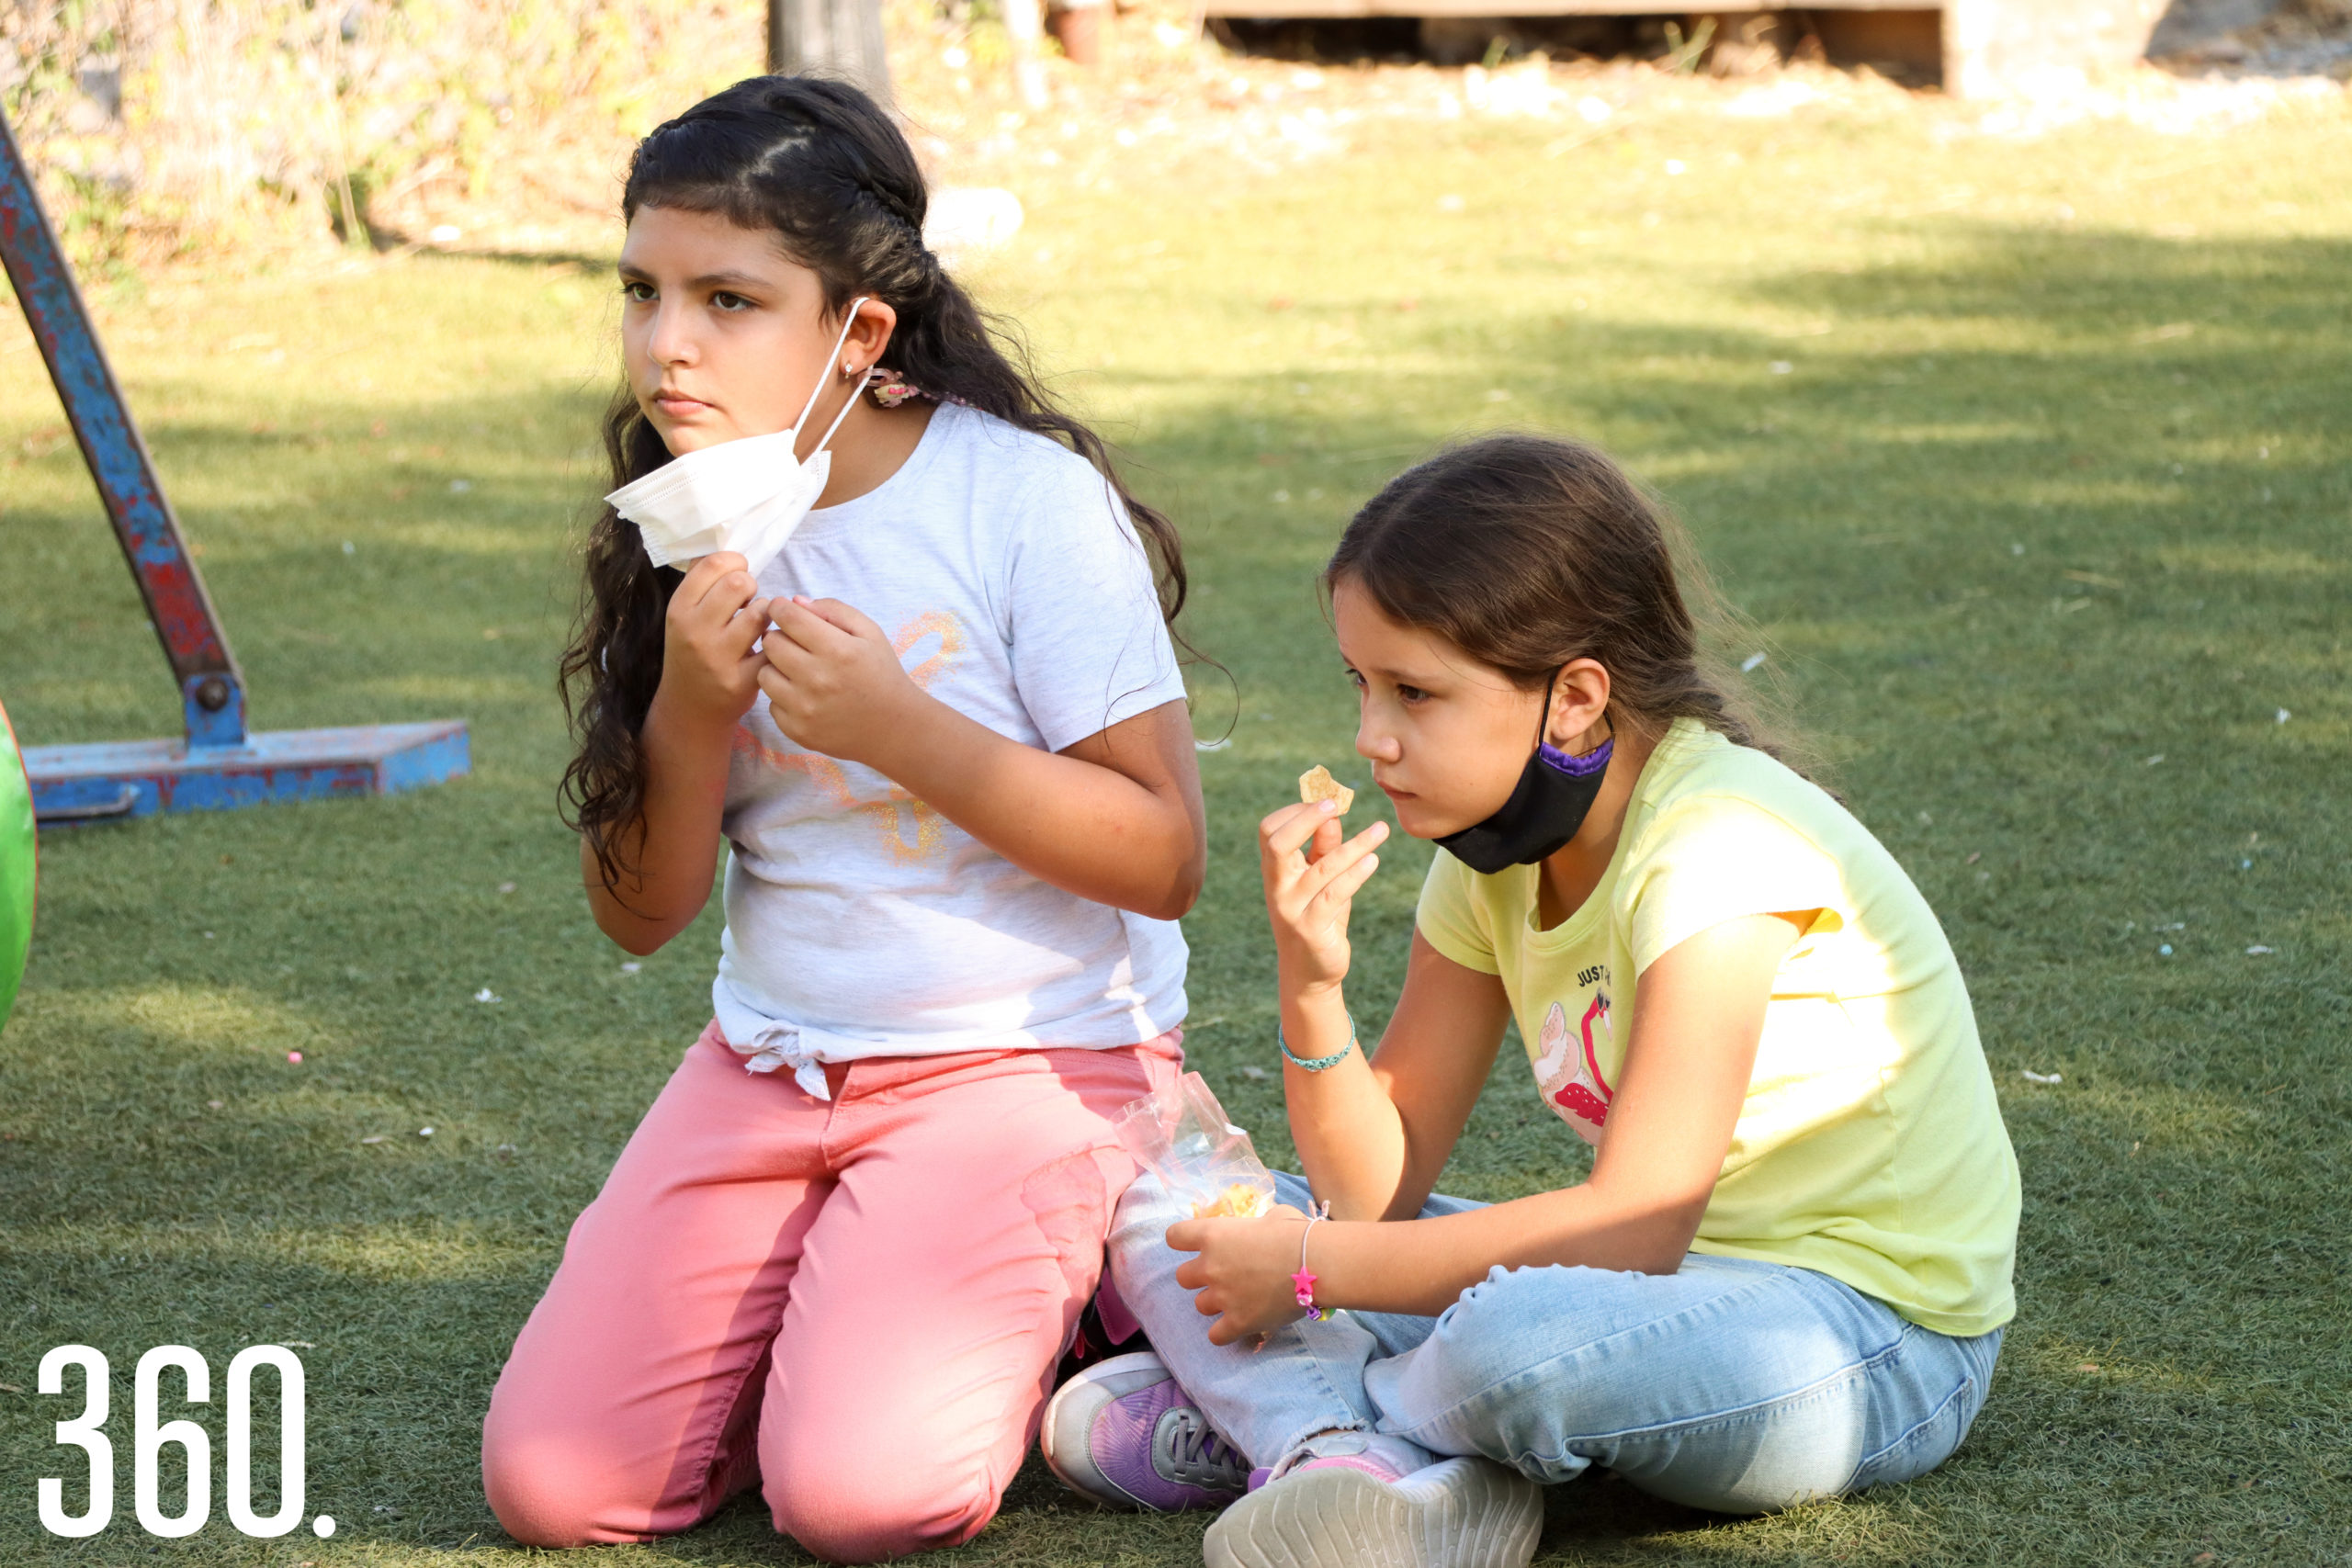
(1303, 1282)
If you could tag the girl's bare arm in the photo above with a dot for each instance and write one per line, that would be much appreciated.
(670, 853)
(1372, 1134)
(1698, 1018)
(1116, 817)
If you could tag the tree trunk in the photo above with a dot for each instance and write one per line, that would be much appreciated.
(833, 38)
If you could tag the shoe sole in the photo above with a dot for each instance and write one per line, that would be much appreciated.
(1114, 1378)
(1458, 1513)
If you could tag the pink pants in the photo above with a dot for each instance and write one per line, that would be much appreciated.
(856, 1306)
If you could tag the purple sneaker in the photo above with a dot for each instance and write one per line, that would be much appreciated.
(1124, 1434)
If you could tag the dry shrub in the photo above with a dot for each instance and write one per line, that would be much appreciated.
(180, 126)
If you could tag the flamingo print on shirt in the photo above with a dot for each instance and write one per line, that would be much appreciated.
(1567, 1069)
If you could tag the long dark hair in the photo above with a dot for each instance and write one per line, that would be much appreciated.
(819, 165)
(1526, 552)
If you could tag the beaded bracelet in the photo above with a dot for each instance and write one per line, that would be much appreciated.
(1316, 1064)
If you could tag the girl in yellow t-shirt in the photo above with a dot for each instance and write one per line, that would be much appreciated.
(1787, 1274)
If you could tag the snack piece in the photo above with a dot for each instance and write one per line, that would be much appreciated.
(1317, 783)
(1240, 1200)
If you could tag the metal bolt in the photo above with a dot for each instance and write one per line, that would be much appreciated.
(212, 693)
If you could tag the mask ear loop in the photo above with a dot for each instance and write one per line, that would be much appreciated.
(809, 407)
(847, 403)
(1544, 719)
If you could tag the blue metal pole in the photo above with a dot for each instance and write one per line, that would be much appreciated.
(212, 690)
(219, 766)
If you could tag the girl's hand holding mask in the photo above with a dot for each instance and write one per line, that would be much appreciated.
(710, 673)
(1242, 1275)
(1311, 879)
(833, 682)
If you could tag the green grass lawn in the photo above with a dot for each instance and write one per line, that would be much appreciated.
(2027, 459)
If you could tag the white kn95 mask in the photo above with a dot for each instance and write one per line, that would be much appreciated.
(745, 495)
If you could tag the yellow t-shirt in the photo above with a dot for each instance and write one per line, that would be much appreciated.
(1870, 1147)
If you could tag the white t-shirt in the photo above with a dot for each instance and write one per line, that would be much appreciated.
(860, 922)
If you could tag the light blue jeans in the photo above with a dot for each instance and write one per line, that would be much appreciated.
(1733, 1386)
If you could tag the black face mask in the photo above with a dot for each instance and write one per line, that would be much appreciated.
(1543, 812)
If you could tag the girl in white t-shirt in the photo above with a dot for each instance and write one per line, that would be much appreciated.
(944, 735)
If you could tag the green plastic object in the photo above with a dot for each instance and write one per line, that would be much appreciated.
(16, 866)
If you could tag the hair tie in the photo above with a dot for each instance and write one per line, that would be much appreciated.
(889, 389)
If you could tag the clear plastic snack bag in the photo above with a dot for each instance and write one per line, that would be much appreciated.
(1181, 1135)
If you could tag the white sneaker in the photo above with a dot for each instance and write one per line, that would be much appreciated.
(1354, 1511)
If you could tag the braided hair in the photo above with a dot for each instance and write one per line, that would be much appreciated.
(819, 164)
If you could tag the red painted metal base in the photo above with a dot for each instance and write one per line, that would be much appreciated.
(108, 780)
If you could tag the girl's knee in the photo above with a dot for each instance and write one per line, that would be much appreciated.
(878, 1509)
(542, 1493)
(556, 1480)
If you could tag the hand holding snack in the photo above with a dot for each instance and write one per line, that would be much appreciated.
(1242, 1275)
(1308, 896)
